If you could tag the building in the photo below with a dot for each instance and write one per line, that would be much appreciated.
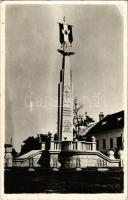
(108, 132)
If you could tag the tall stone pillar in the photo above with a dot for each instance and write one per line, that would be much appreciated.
(65, 101)
(67, 110)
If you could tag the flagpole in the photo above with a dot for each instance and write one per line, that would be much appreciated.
(65, 24)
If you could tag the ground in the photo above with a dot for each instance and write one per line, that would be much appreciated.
(63, 181)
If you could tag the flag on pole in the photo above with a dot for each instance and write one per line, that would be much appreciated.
(65, 33)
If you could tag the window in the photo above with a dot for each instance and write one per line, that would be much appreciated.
(119, 142)
(111, 142)
(104, 144)
(97, 144)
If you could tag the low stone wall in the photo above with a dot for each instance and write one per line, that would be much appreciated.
(87, 159)
(68, 159)
(31, 161)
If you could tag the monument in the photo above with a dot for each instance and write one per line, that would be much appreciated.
(65, 101)
(67, 152)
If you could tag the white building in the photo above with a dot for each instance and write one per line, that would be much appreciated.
(108, 132)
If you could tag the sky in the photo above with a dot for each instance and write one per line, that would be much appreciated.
(33, 64)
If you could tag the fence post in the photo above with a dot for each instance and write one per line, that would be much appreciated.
(111, 154)
(120, 153)
(78, 167)
(42, 145)
(52, 144)
(79, 146)
(8, 156)
(93, 143)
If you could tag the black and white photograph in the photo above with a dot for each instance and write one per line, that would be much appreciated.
(64, 104)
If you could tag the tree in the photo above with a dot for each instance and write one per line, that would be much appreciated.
(34, 143)
(55, 136)
(88, 120)
(77, 120)
(29, 144)
(14, 153)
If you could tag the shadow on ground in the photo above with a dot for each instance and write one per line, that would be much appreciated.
(20, 180)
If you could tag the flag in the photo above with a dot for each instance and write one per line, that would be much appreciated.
(61, 34)
(65, 33)
(70, 34)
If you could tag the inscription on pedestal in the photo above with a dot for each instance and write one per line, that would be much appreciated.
(67, 126)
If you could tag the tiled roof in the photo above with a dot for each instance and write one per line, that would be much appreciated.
(109, 122)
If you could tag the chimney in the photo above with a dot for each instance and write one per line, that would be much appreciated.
(101, 116)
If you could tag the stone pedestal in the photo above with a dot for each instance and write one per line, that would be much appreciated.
(8, 160)
(111, 154)
(54, 160)
(121, 156)
(8, 156)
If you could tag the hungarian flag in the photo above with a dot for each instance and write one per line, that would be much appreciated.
(65, 33)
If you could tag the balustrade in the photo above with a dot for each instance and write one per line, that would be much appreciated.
(73, 146)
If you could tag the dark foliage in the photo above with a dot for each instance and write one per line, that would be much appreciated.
(34, 143)
(14, 153)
